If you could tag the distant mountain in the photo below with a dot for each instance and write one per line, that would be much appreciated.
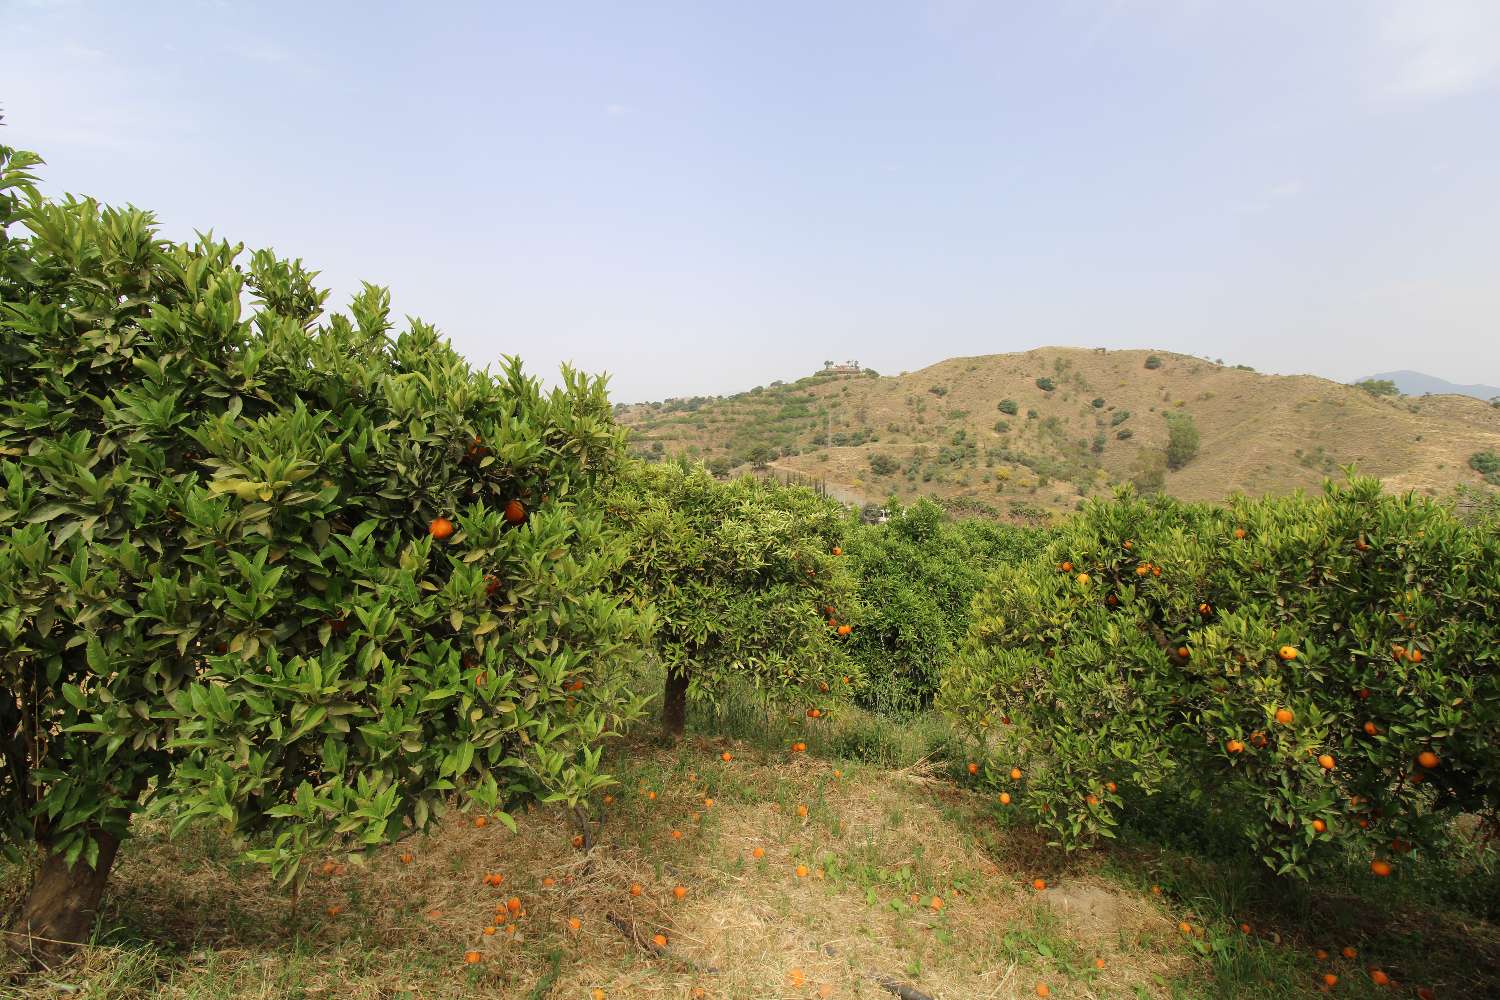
(1417, 384)
(1022, 433)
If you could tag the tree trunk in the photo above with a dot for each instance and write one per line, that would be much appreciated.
(674, 705)
(59, 911)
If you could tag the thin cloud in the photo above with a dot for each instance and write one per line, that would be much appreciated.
(1436, 48)
(618, 110)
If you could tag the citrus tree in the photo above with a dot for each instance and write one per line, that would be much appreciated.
(1321, 671)
(916, 575)
(292, 575)
(745, 579)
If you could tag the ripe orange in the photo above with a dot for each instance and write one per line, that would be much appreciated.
(973, 768)
(1156, 890)
(1379, 867)
(796, 977)
(335, 910)
(676, 834)
(845, 629)
(837, 551)
(801, 871)
(1092, 800)
(801, 809)
(597, 994)
(799, 747)
(679, 891)
(1425, 993)
(578, 840)
(660, 940)
(1284, 716)
(490, 930)
(651, 795)
(813, 713)
(937, 903)
(1042, 990)
(726, 756)
(1319, 826)
(1005, 798)
(1325, 761)
(1320, 955)
(1244, 928)
(1239, 532)
(513, 904)
(406, 858)
(1205, 609)
(1234, 746)
(1083, 578)
(1184, 927)
(1371, 729)
(759, 852)
(1143, 569)
(1287, 653)
(1258, 740)
(1015, 774)
(1111, 786)
(1329, 979)
(1415, 656)
(1349, 952)
(708, 803)
(1427, 759)
(1379, 978)
(1183, 653)
(1039, 884)
(574, 923)
(480, 820)
(472, 957)
(1098, 963)
(441, 529)
(515, 512)
(635, 888)
(1067, 567)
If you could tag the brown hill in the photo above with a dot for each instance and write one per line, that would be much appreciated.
(1104, 420)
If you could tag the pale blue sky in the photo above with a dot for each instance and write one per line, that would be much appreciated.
(700, 197)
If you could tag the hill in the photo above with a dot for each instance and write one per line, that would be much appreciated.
(1083, 421)
(1419, 384)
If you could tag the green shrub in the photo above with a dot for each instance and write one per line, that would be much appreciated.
(1046, 384)
(1008, 407)
(1098, 403)
(1152, 361)
(1124, 435)
(1487, 464)
(739, 576)
(883, 465)
(1162, 658)
(1379, 387)
(1119, 418)
(1182, 440)
(217, 580)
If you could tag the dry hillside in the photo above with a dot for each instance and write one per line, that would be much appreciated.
(940, 431)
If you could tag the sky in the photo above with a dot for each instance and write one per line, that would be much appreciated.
(701, 197)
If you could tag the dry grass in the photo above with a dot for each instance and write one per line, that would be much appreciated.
(186, 921)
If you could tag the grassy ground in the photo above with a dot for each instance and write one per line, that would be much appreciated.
(911, 877)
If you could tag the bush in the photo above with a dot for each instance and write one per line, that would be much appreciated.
(1379, 387)
(739, 576)
(1008, 407)
(1182, 440)
(1046, 384)
(938, 391)
(916, 576)
(1153, 362)
(218, 585)
(1098, 403)
(1171, 651)
(1124, 435)
(883, 465)
(1487, 464)
(1119, 418)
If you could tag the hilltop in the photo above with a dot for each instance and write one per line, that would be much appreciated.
(1420, 384)
(1083, 421)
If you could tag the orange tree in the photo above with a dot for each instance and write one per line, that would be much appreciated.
(294, 576)
(1323, 669)
(743, 581)
(917, 574)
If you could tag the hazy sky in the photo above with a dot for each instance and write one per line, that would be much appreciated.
(703, 196)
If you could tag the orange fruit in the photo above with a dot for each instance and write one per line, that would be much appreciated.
(1204, 609)
(799, 747)
(1427, 759)
(660, 940)
(1005, 798)
(1144, 569)
(515, 512)
(1185, 927)
(1098, 963)
(1287, 653)
(1244, 928)
(490, 930)
(1329, 979)
(1183, 652)
(1234, 746)
(635, 888)
(578, 840)
(334, 911)
(609, 799)
(597, 994)
(1325, 761)
(676, 834)
(513, 904)
(708, 803)
(406, 858)
(1379, 867)
(845, 629)
(1042, 990)
(1321, 955)
(1083, 578)
(1015, 774)
(726, 756)
(1258, 740)
(472, 957)
(1111, 786)
(796, 977)
(802, 871)
(679, 891)
(1239, 532)
(937, 903)
(1349, 952)
(1156, 890)
(1371, 729)
(441, 528)
(651, 796)
(1415, 656)
(837, 551)
(1319, 826)
(758, 853)
(1092, 800)
(801, 809)
(973, 768)
(1039, 884)
(480, 820)
(1379, 978)
(1066, 567)
(1284, 716)
(574, 923)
